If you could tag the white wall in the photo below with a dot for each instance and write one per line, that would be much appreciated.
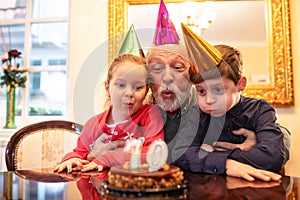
(88, 32)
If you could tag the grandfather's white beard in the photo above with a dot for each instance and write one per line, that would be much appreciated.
(171, 105)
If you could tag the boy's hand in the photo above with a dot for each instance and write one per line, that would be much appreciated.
(92, 166)
(73, 164)
(246, 145)
(249, 173)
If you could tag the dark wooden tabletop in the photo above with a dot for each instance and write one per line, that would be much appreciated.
(44, 184)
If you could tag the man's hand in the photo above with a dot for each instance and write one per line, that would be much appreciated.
(103, 145)
(248, 143)
(249, 173)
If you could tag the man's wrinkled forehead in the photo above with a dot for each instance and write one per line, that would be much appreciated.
(169, 49)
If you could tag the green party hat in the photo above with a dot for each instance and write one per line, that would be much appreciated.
(131, 44)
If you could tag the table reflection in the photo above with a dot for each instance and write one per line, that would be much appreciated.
(44, 184)
(216, 187)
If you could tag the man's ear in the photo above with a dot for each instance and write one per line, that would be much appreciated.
(194, 69)
(242, 83)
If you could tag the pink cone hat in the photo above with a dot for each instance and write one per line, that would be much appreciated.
(165, 32)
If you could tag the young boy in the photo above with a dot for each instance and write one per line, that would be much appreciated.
(222, 111)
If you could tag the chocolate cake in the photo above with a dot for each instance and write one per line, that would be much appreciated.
(167, 177)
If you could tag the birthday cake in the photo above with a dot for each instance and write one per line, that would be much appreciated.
(154, 174)
(167, 177)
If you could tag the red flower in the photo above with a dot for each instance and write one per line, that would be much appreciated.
(12, 76)
(14, 53)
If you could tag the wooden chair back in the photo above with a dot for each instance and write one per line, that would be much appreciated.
(41, 145)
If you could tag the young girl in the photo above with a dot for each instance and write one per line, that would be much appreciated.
(126, 118)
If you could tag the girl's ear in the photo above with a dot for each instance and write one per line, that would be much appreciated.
(242, 83)
(107, 88)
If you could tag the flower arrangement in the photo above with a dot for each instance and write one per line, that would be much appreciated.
(13, 76)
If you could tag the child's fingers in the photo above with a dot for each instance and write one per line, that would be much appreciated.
(69, 167)
(88, 168)
(100, 168)
(56, 168)
(84, 162)
(77, 168)
(60, 168)
(91, 166)
(273, 176)
(79, 164)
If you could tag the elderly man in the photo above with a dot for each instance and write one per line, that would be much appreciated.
(171, 87)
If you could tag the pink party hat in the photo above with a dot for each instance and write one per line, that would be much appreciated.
(131, 44)
(165, 32)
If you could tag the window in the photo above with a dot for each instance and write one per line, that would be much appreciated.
(39, 29)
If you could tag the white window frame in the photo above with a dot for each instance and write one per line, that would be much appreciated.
(25, 118)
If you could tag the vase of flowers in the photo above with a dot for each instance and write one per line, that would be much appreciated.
(12, 78)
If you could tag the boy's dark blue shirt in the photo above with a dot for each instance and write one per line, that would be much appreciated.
(252, 114)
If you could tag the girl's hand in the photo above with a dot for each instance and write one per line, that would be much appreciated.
(73, 164)
(92, 166)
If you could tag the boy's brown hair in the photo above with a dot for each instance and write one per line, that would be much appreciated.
(231, 66)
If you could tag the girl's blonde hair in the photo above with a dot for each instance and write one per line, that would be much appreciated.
(123, 58)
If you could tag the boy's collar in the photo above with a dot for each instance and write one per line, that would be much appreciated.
(237, 109)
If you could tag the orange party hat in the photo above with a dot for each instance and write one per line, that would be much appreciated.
(202, 55)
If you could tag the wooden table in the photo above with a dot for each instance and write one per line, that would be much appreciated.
(44, 184)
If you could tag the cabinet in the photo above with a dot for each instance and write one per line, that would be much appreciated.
(5, 135)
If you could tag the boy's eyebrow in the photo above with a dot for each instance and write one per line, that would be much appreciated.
(217, 84)
(210, 85)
